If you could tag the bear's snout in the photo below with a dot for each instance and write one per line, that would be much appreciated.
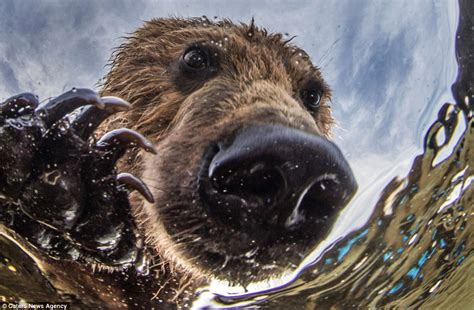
(272, 176)
(246, 182)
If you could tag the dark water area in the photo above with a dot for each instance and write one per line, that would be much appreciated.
(414, 251)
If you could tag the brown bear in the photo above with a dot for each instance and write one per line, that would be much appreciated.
(245, 180)
(244, 185)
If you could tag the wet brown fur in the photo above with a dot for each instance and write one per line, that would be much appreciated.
(258, 81)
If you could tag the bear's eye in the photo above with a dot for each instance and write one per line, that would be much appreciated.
(311, 98)
(196, 58)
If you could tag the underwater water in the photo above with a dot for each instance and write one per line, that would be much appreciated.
(405, 240)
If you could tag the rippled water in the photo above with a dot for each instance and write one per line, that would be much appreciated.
(415, 249)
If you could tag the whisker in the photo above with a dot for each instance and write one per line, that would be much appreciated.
(184, 283)
(193, 259)
(153, 186)
(161, 288)
(160, 264)
(167, 207)
(194, 240)
(189, 230)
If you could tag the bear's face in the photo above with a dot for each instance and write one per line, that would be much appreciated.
(240, 120)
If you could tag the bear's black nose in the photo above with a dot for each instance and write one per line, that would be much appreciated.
(271, 175)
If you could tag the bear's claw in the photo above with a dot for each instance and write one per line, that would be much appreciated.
(59, 190)
(123, 138)
(18, 105)
(90, 117)
(137, 184)
(55, 109)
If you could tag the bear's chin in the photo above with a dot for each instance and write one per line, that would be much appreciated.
(226, 254)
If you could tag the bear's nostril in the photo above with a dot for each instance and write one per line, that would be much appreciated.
(316, 204)
(275, 176)
(257, 184)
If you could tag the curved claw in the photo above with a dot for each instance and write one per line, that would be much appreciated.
(91, 117)
(58, 107)
(124, 137)
(114, 104)
(18, 105)
(135, 183)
